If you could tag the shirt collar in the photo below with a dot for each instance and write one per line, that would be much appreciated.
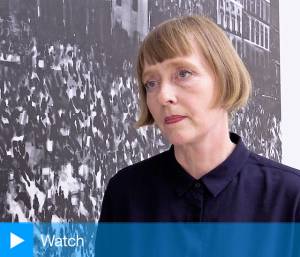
(217, 179)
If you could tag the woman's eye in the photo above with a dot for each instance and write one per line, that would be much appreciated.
(150, 84)
(184, 73)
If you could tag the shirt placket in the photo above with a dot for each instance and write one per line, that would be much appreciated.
(195, 197)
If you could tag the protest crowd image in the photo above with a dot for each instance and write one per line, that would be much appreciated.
(69, 101)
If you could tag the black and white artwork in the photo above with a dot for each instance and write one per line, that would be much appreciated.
(69, 98)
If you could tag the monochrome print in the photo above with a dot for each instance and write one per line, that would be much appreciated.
(69, 98)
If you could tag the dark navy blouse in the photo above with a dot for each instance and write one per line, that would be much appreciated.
(245, 187)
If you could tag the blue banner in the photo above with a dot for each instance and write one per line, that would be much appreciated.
(150, 239)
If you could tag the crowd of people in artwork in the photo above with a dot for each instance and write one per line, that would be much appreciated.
(259, 129)
(66, 116)
(66, 126)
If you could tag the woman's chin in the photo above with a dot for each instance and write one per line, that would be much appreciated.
(179, 139)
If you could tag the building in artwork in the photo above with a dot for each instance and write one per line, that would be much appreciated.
(274, 49)
(23, 10)
(230, 18)
(256, 24)
(247, 24)
(4, 9)
(166, 9)
(98, 20)
(74, 20)
(132, 16)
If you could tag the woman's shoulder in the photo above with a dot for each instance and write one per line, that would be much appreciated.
(271, 166)
(278, 174)
(142, 170)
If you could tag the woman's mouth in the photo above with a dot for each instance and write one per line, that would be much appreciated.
(173, 119)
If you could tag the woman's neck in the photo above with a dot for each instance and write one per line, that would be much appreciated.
(199, 158)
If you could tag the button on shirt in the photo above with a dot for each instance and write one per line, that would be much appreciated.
(245, 187)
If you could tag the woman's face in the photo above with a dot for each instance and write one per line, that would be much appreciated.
(180, 95)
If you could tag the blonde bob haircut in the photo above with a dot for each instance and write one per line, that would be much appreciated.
(176, 37)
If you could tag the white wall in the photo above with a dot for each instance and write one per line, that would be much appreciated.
(290, 81)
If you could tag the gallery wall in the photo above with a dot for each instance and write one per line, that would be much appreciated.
(290, 104)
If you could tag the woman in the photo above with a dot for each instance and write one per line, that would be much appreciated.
(190, 81)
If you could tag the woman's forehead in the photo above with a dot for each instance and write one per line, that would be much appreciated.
(157, 49)
(193, 60)
(161, 51)
(175, 61)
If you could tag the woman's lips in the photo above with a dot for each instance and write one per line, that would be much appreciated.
(173, 119)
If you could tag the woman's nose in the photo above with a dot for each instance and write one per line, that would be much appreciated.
(167, 94)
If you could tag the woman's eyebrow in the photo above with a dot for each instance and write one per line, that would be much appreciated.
(147, 73)
(177, 63)
(201, 64)
(172, 63)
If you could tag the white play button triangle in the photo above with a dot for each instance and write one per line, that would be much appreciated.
(15, 240)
